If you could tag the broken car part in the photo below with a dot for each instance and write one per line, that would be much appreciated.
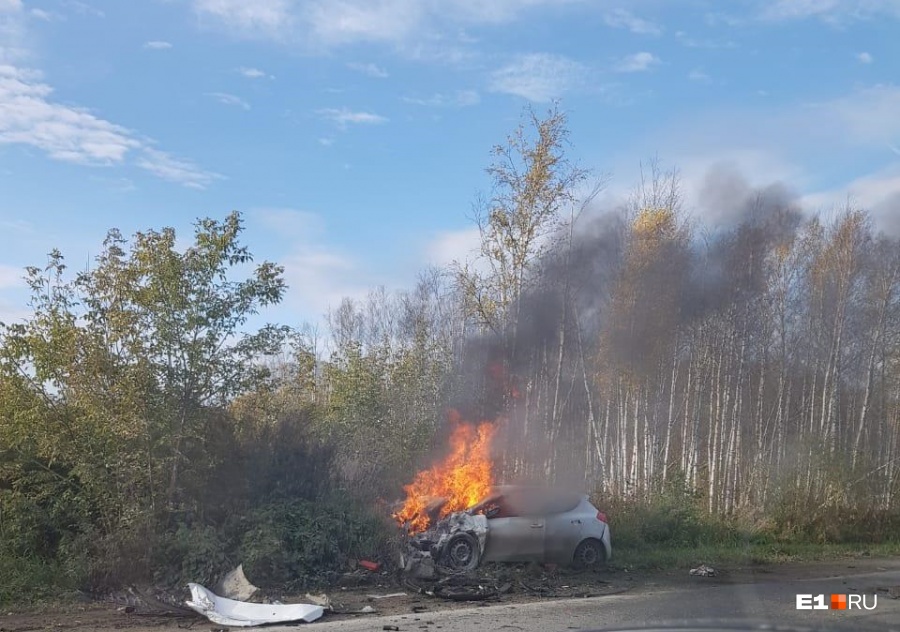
(242, 614)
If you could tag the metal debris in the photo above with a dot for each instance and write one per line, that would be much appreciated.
(319, 600)
(703, 571)
(229, 612)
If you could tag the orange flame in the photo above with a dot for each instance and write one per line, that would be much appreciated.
(463, 477)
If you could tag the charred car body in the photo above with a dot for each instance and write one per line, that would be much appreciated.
(515, 524)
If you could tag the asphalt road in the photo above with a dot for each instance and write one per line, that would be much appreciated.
(769, 601)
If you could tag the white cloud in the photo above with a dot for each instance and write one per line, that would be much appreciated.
(229, 99)
(453, 245)
(326, 142)
(460, 98)
(833, 11)
(707, 43)
(864, 58)
(251, 73)
(83, 8)
(787, 144)
(46, 16)
(343, 117)
(157, 45)
(12, 32)
(28, 117)
(622, 19)
(168, 167)
(539, 77)
(71, 134)
(319, 279)
(319, 275)
(867, 116)
(370, 69)
(254, 18)
(13, 295)
(12, 312)
(118, 185)
(878, 192)
(863, 119)
(699, 76)
(638, 62)
(405, 24)
(717, 18)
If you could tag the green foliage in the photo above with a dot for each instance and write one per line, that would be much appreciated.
(112, 399)
(28, 579)
(674, 518)
(674, 529)
(197, 553)
(797, 519)
(742, 554)
(296, 544)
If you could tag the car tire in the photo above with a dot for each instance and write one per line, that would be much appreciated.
(589, 555)
(462, 552)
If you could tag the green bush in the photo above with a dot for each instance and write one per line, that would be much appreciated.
(299, 545)
(27, 579)
(673, 518)
(192, 553)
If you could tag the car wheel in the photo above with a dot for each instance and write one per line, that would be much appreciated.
(462, 552)
(590, 554)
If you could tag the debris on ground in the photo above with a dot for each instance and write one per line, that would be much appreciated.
(235, 585)
(224, 611)
(892, 591)
(369, 565)
(703, 571)
(149, 603)
(494, 581)
(319, 600)
(388, 596)
(363, 610)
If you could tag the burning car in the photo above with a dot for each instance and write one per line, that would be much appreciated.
(518, 524)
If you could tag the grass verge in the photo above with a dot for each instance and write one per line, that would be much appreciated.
(728, 554)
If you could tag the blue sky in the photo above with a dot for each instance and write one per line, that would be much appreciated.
(354, 134)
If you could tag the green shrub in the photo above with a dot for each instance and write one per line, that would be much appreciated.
(672, 518)
(27, 579)
(298, 545)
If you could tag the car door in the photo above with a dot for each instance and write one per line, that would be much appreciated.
(513, 536)
(562, 523)
(564, 531)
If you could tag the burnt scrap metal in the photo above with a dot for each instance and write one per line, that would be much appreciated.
(455, 543)
(496, 582)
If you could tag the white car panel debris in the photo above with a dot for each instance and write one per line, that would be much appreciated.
(242, 614)
(235, 585)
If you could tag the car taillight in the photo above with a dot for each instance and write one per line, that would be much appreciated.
(601, 516)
